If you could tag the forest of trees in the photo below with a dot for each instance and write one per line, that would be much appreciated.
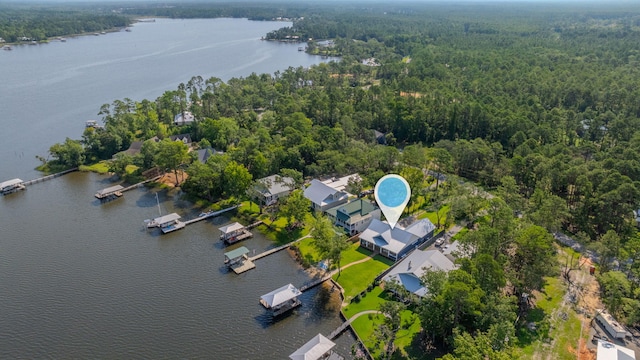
(537, 106)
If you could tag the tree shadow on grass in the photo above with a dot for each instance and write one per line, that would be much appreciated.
(419, 349)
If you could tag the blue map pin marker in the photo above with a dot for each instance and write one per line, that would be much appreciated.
(392, 193)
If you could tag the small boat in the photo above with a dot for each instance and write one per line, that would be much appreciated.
(8, 48)
(127, 29)
(63, 39)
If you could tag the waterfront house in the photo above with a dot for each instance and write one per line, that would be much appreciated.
(354, 216)
(323, 196)
(281, 300)
(270, 189)
(397, 242)
(184, 118)
(409, 271)
(318, 348)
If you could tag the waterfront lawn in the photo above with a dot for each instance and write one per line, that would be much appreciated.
(277, 230)
(371, 301)
(354, 253)
(100, 167)
(357, 278)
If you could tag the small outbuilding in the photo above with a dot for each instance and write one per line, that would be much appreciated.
(234, 232)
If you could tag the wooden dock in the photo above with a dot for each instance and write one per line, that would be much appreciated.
(243, 266)
(117, 191)
(314, 283)
(210, 214)
(48, 177)
(269, 252)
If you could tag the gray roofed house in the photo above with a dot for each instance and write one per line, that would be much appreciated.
(323, 196)
(271, 188)
(185, 138)
(206, 153)
(408, 271)
(354, 216)
(319, 347)
(396, 242)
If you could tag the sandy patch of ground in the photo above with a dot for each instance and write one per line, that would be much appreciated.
(169, 179)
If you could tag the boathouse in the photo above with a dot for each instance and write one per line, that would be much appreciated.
(9, 186)
(110, 192)
(281, 300)
(236, 256)
(167, 223)
(233, 233)
(319, 347)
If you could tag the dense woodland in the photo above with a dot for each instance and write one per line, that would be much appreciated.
(539, 106)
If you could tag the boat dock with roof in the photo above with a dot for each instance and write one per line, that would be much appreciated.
(110, 193)
(238, 261)
(319, 347)
(281, 300)
(167, 223)
(11, 186)
(234, 232)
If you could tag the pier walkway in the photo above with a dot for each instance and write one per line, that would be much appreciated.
(48, 177)
(117, 191)
(315, 283)
(210, 214)
(276, 249)
(347, 323)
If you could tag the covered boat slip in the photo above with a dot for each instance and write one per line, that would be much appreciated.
(319, 347)
(234, 232)
(110, 192)
(238, 261)
(9, 186)
(282, 299)
(162, 220)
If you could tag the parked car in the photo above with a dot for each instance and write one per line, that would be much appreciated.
(439, 242)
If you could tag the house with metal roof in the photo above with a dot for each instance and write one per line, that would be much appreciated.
(184, 118)
(323, 196)
(409, 271)
(319, 347)
(610, 351)
(397, 242)
(354, 216)
(206, 153)
(341, 184)
(282, 299)
(272, 188)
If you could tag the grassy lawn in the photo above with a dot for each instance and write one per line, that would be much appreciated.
(99, 167)
(371, 301)
(357, 278)
(432, 216)
(354, 253)
(562, 334)
(276, 230)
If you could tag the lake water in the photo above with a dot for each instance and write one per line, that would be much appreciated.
(81, 279)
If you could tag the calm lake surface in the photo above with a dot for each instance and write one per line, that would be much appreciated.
(80, 279)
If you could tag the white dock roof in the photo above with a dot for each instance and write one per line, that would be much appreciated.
(111, 189)
(280, 295)
(167, 218)
(10, 183)
(314, 349)
(231, 228)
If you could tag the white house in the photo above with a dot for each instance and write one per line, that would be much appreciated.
(323, 196)
(184, 118)
(341, 184)
(395, 243)
(354, 216)
(409, 271)
(272, 188)
(611, 351)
